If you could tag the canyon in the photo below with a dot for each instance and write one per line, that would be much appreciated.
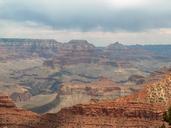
(45, 76)
(142, 109)
(66, 74)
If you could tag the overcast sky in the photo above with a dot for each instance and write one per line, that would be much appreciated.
(101, 22)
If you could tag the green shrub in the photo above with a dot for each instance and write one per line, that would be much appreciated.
(163, 126)
(167, 116)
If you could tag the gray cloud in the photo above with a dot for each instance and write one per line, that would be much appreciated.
(88, 15)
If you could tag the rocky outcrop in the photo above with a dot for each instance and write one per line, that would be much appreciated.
(78, 45)
(137, 79)
(106, 114)
(156, 90)
(26, 48)
(140, 110)
(29, 42)
(71, 94)
(79, 93)
(143, 109)
(72, 52)
(110, 115)
(125, 53)
(75, 52)
(20, 97)
(6, 102)
(116, 46)
(12, 117)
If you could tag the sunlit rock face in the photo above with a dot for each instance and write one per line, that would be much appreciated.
(140, 110)
(13, 117)
(6, 102)
(79, 93)
(111, 115)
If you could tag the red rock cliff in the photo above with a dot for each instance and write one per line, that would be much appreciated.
(110, 115)
(141, 110)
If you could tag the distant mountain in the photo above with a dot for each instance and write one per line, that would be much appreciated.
(78, 45)
(164, 50)
(55, 48)
(117, 46)
(32, 70)
(28, 42)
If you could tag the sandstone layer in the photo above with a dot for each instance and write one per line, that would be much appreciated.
(141, 110)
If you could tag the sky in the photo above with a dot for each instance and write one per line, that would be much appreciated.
(101, 22)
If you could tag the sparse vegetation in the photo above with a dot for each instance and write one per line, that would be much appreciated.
(167, 116)
(163, 126)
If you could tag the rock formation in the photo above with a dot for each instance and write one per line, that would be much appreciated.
(80, 93)
(116, 46)
(72, 52)
(78, 45)
(6, 102)
(20, 97)
(12, 117)
(106, 114)
(118, 57)
(111, 115)
(141, 110)
(156, 90)
(137, 79)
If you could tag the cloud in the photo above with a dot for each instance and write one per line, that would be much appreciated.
(33, 30)
(99, 21)
(90, 15)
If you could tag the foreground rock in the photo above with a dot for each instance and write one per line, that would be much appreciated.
(141, 110)
(6, 102)
(111, 115)
(157, 90)
(13, 117)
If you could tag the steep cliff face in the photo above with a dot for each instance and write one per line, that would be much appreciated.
(75, 52)
(78, 45)
(79, 93)
(116, 46)
(72, 52)
(141, 110)
(106, 114)
(20, 97)
(110, 115)
(160, 91)
(71, 94)
(15, 48)
(156, 90)
(6, 102)
(13, 117)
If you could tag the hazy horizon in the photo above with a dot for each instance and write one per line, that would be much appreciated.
(101, 22)
(94, 43)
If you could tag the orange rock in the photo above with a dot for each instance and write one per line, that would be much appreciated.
(141, 110)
